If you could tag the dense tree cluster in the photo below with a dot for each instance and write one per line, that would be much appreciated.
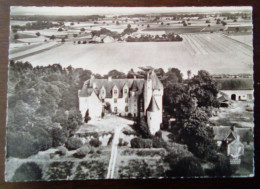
(39, 25)
(42, 107)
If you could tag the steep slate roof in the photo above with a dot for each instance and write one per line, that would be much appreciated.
(153, 106)
(156, 83)
(108, 85)
(222, 132)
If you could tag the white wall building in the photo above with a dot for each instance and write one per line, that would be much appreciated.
(125, 97)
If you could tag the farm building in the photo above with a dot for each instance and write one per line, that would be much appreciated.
(237, 89)
(125, 97)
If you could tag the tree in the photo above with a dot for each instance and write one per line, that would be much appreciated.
(82, 29)
(28, 172)
(148, 25)
(16, 36)
(116, 74)
(131, 73)
(38, 34)
(60, 29)
(189, 74)
(204, 88)
(52, 37)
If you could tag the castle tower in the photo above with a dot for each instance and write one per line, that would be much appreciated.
(153, 116)
(153, 89)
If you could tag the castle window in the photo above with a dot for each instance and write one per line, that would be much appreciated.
(115, 100)
(126, 109)
(115, 92)
(115, 109)
(126, 100)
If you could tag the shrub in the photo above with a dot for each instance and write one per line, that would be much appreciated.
(83, 151)
(122, 143)
(61, 151)
(73, 143)
(58, 137)
(158, 134)
(141, 143)
(186, 167)
(59, 170)
(222, 166)
(28, 172)
(158, 142)
(95, 142)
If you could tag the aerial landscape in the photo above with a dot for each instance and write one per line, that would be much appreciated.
(108, 93)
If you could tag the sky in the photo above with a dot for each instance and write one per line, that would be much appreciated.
(19, 10)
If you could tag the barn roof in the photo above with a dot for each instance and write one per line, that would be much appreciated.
(235, 84)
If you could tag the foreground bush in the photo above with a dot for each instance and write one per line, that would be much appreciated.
(62, 151)
(82, 151)
(73, 143)
(141, 143)
(28, 172)
(95, 142)
(188, 166)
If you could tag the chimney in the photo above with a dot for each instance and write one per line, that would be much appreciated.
(109, 78)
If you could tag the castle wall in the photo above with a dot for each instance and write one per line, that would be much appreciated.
(158, 95)
(91, 103)
(153, 121)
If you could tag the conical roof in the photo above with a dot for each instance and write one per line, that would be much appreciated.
(156, 83)
(134, 86)
(153, 106)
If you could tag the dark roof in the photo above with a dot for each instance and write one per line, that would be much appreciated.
(156, 83)
(108, 85)
(223, 132)
(223, 99)
(235, 84)
(153, 106)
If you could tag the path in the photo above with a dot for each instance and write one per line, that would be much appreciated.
(112, 161)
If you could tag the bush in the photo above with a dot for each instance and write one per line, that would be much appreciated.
(95, 142)
(83, 151)
(28, 172)
(61, 151)
(73, 143)
(141, 143)
(186, 167)
(222, 166)
(158, 142)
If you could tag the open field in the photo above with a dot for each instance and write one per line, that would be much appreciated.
(196, 52)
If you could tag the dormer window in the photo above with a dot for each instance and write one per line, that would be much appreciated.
(125, 91)
(126, 100)
(115, 92)
(115, 100)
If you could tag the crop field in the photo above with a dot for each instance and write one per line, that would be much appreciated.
(195, 52)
